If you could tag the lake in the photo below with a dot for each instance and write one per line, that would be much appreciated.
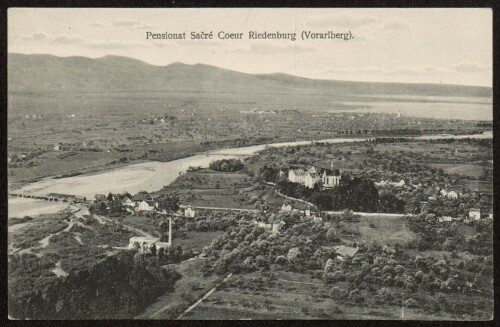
(428, 107)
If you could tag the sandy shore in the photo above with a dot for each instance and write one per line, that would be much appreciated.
(20, 207)
(147, 176)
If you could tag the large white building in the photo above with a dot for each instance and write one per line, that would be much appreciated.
(189, 212)
(145, 244)
(296, 176)
(327, 177)
(330, 178)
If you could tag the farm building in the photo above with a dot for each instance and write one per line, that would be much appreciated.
(139, 197)
(100, 198)
(345, 251)
(475, 214)
(189, 212)
(146, 205)
(127, 202)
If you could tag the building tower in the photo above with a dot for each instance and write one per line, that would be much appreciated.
(170, 230)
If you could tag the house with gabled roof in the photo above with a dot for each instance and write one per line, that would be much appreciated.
(126, 201)
(139, 197)
(147, 205)
(345, 251)
(189, 212)
(296, 175)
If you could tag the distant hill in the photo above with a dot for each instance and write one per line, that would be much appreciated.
(47, 73)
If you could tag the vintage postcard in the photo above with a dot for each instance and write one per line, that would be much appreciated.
(199, 164)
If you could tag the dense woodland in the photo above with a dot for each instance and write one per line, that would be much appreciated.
(353, 193)
(226, 165)
(118, 287)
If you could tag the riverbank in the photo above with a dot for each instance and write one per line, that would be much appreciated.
(153, 176)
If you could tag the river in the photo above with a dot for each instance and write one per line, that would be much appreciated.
(153, 176)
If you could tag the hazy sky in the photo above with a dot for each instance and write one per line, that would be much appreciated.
(399, 45)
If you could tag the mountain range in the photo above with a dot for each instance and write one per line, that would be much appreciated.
(47, 73)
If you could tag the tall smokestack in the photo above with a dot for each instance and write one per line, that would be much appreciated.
(331, 165)
(170, 230)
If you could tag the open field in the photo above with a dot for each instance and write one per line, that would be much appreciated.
(379, 230)
(209, 179)
(59, 162)
(480, 186)
(208, 188)
(196, 241)
(474, 171)
(294, 296)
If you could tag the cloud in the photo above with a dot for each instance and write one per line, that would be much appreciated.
(342, 20)
(469, 67)
(131, 24)
(355, 70)
(271, 48)
(53, 39)
(125, 23)
(64, 39)
(35, 37)
(395, 25)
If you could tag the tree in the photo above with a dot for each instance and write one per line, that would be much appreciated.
(390, 203)
(331, 235)
(293, 254)
(169, 202)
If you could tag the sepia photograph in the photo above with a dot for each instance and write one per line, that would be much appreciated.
(250, 164)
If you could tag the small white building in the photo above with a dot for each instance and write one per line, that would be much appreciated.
(273, 227)
(345, 251)
(276, 228)
(445, 219)
(452, 195)
(146, 205)
(307, 212)
(475, 214)
(286, 208)
(189, 212)
(401, 183)
(127, 202)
